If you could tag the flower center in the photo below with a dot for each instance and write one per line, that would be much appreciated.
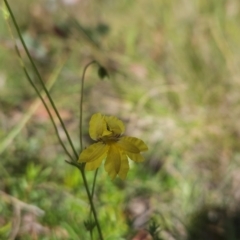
(110, 139)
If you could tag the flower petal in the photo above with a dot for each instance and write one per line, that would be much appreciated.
(124, 168)
(98, 126)
(136, 157)
(115, 125)
(113, 161)
(132, 144)
(93, 152)
(94, 164)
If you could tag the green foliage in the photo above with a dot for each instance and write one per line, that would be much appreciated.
(154, 229)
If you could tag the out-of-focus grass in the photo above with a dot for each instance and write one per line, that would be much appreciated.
(174, 81)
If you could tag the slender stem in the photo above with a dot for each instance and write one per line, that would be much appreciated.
(81, 169)
(90, 195)
(94, 181)
(39, 93)
(57, 113)
(93, 187)
(81, 103)
(40, 78)
(91, 204)
(48, 110)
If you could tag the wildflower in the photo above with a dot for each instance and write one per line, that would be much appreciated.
(111, 145)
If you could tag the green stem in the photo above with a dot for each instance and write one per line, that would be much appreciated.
(47, 108)
(81, 169)
(93, 188)
(40, 95)
(94, 181)
(40, 78)
(90, 195)
(58, 115)
(81, 103)
(91, 204)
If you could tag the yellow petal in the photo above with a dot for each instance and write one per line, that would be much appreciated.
(93, 165)
(124, 166)
(132, 145)
(113, 161)
(94, 152)
(98, 126)
(115, 125)
(136, 157)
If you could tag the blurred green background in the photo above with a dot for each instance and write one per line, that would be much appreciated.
(174, 81)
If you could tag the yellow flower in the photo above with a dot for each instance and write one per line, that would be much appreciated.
(111, 145)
